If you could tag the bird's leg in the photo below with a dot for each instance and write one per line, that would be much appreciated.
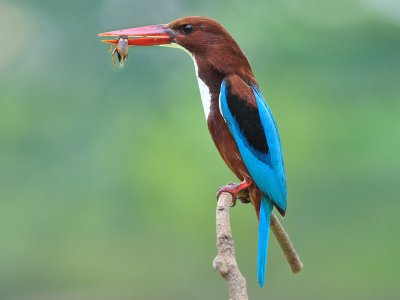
(237, 190)
(112, 56)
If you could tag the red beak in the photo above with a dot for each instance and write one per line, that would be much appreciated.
(142, 36)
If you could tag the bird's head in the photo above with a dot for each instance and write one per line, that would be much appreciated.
(206, 40)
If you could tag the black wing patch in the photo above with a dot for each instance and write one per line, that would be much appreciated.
(248, 120)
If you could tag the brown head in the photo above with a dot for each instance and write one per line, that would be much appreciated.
(205, 39)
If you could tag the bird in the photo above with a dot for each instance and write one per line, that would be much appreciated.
(239, 119)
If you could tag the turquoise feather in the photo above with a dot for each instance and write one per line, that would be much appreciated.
(263, 236)
(266, 169)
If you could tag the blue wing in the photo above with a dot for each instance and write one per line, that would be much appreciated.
(255, 132)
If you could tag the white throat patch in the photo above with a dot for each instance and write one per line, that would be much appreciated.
(204, 91)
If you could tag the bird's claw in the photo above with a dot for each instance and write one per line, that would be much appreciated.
(237, 190)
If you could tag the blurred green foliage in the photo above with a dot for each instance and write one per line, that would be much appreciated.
(108, 177)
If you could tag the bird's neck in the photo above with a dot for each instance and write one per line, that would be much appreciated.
(210, 78)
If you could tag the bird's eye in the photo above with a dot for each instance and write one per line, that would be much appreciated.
(187, 28)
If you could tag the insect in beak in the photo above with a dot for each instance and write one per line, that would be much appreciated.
(153, 35)
(121, 50)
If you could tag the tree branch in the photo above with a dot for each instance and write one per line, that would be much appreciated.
(225, 261)
(287, 247)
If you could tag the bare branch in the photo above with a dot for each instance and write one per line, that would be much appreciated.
(225, 261)
(287, 247)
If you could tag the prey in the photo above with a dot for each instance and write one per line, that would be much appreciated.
(121, 50)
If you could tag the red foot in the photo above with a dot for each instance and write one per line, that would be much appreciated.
(234, 189)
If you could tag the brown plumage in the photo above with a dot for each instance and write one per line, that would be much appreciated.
(208, 43)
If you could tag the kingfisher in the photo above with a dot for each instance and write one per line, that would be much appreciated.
(238, 117)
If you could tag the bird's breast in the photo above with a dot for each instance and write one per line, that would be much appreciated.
(217, 126)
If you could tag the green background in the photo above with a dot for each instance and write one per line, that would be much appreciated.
(108, 176)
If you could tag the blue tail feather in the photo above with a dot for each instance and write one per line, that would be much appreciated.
(263, 234)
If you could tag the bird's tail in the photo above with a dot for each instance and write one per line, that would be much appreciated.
(263, 234)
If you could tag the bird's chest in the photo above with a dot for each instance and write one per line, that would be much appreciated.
(209, 86)
(220, 133)
(210, 101)
(225, 143)
(205, 95)
(209, 93)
